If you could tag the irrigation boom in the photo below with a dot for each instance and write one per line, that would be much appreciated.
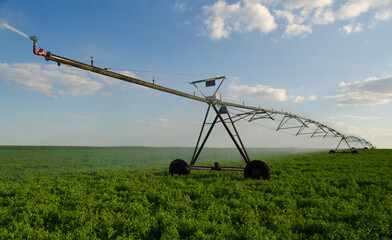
(227, 114)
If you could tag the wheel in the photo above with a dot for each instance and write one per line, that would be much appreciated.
(332, 151)
(257, 169)
(354, 152)
(179, 167)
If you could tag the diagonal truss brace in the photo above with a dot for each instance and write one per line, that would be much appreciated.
(234, 135)
(255, 115)
(287, 117)
(356, 141)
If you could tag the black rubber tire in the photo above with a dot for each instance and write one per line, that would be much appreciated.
(354, 152)
(179, 167)
(257, 169)
(332, 151)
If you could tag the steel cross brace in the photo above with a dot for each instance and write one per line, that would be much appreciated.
(286, 118)
(341, 140)
(238, 143)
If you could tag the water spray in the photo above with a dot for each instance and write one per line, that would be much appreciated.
(14, 29)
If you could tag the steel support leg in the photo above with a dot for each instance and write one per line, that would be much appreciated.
(201, 132)
(204, 141)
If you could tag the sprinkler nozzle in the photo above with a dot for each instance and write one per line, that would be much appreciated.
(34, 38)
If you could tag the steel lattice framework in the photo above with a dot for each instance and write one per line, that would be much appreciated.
(296, 125)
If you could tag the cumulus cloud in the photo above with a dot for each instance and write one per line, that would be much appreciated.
(295, 4)
(369, 92)
(352, 28)
(383, 15)
(258, 91)
(354, 8)
(312, 98)
(298, 99)
(375, 85)
(296, 17)
(297, 30)
(294, 26)
(323, 16)
(221, 18)
(49, 79)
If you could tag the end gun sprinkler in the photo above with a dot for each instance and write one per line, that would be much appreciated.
(41, 51)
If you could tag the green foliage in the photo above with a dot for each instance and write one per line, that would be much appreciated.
(127, 193)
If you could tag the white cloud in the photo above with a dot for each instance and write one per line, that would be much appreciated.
(294, 26)
(247, 15)
(323, 16)
(49, 79)
(312, 98)
(375, 85)
(358, 99)
(289, 16)
(354, 8)
(297, 30)
(369, 92)
(299, 99)
(384, 14)
(222, 18)
(295, 4)
(258, 91)
(352, 28)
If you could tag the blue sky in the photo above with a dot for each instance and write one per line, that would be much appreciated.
(327, 60)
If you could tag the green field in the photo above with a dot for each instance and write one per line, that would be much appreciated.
(127, 193)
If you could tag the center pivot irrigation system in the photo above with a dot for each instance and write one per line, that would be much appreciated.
(227, 114)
